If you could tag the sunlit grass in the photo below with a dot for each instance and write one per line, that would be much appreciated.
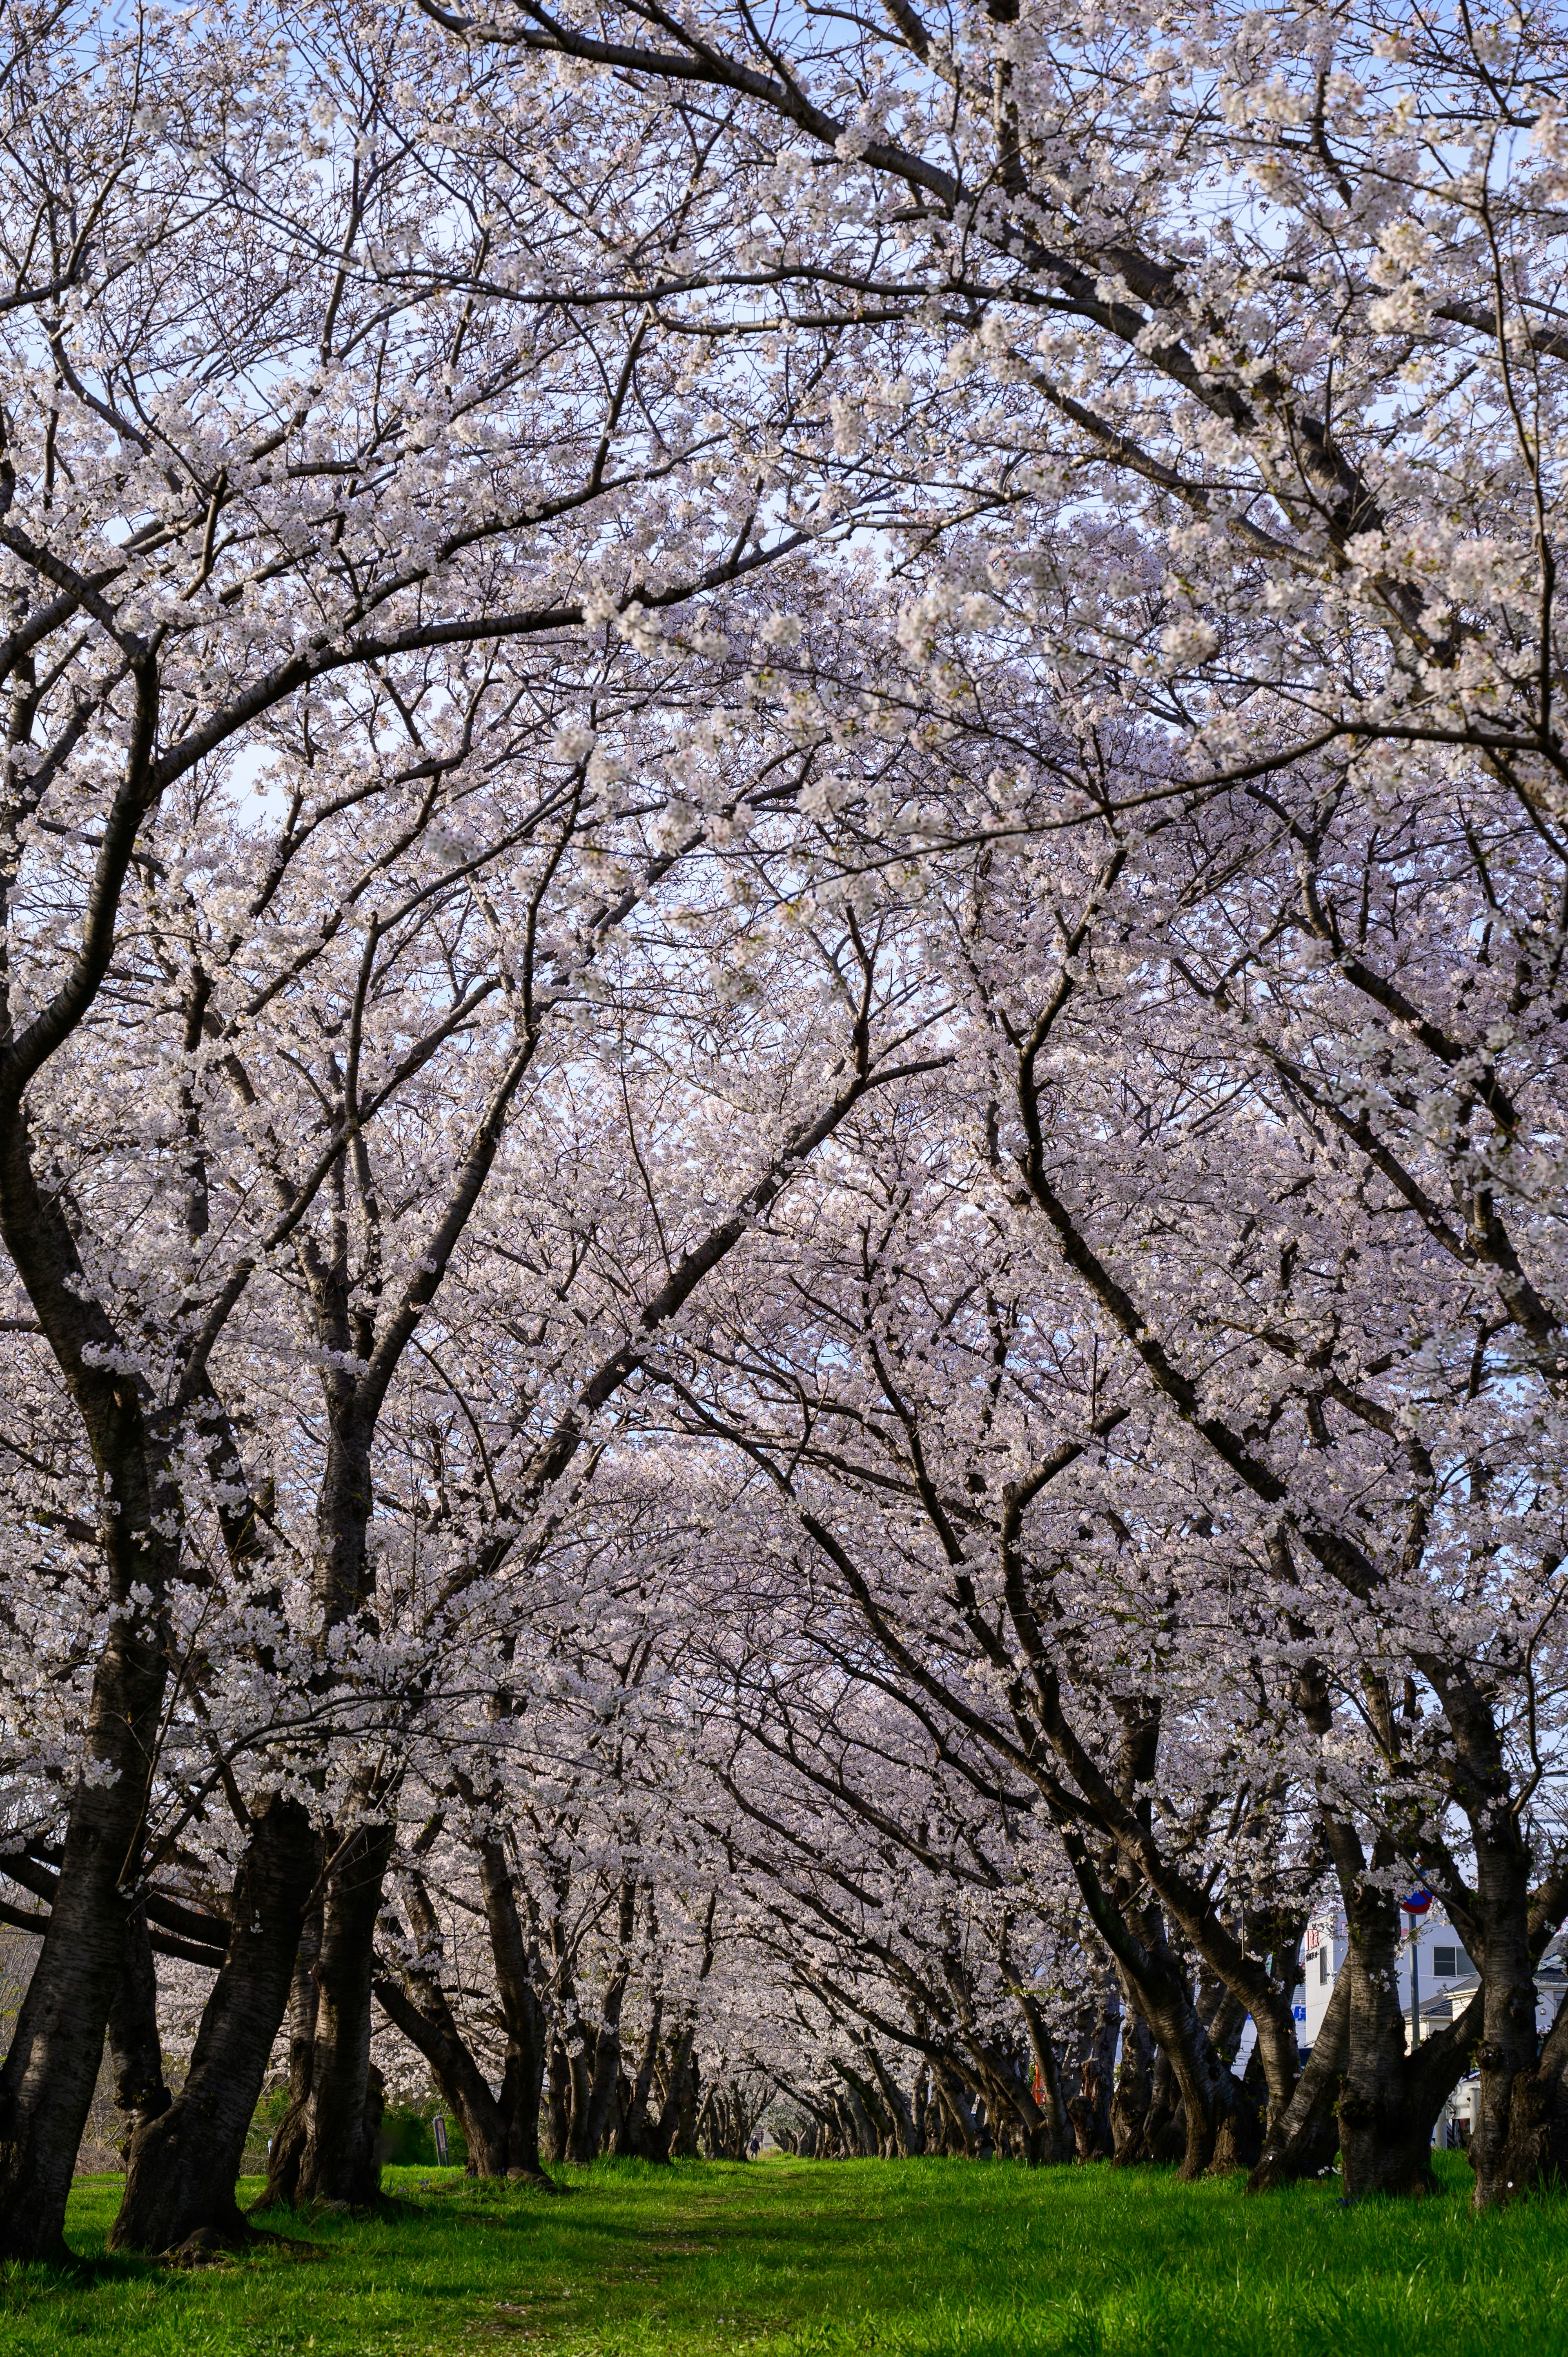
(792, 2259)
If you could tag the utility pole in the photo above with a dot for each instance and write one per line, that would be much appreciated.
(1415, 1906)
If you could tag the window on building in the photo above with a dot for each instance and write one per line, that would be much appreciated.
(1448, 1963)
(1322, 1964)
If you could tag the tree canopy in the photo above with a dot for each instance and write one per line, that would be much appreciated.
(785, 876)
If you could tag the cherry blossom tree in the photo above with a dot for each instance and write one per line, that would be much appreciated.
(779, 1148)
(305, 451)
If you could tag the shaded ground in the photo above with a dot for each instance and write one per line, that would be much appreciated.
(795, 2259)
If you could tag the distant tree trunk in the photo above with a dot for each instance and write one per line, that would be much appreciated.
(678, 2112)
(557, 2108)
(523, 2079)
(1089, 2107)
(862, 2117)
(575, 2046)
(908, 2139)
(1049, 2136)
(1134, 2090)
(632, 2138)
(327, 2152)
(590, 2122)
(963, 2127)
(1240, 2142)
(1193, 2092)
(502, 2130)
(1166, 2138)
(683, 2144)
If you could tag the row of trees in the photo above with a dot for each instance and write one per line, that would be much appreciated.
(780, 1106)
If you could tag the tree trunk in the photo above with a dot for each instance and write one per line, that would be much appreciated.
(1049, 2137)
(1166, 2141)
(325, 2151)
(920, 2108)
(45, 2087)
(574, 2046)
(632, 2138)
(1504, 2135)
(965, 2127)
(1504, 1940)
(862, 2118)
(522, 2087)
(135, 2051)
(604, 2075)
(910, 2139)
(304, 2003)
(1210, 2095)
(1239, 2143)
(426, 2022)
(683, 2144)
(1089, 2108)
(523, 2079)
(502, 2130)
(1534, 2151)
(48, 2079)
(1133, 2091)
(1391, 2099)
(1302, 2143)
(557, 2109)
(1155, 1984)
(328, 2152)
(593, 2086)
(662, 2132)
(1383, 2151)
(183, 2167)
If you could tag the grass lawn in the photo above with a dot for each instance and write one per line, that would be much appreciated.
(783, 2258)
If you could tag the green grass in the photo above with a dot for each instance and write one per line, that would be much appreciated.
(793, 2259)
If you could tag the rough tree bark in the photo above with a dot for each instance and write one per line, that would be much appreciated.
(1304, 2140)
(591, 2118)
(1534, 2149)
(304, 2002)
(325, 2148)
(46, 2083)
(135, 2050)
(182, 2166)
(1390, 2098)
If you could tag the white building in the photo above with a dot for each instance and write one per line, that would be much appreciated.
(1435, 1951)
(1431, 1954)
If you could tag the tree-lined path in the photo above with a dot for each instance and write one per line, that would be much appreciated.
(783, 1091)
(796, 2259)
